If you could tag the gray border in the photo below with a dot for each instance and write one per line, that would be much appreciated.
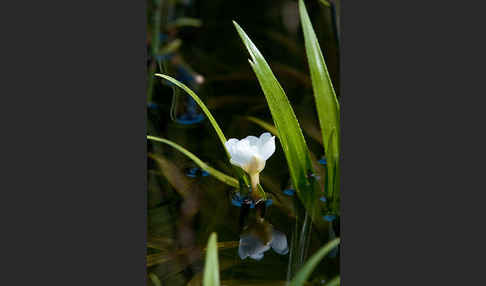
(74, 74)
(74, 180)
(410, 202)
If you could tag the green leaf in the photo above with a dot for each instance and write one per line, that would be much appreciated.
(211, 265)
(185, 22)
(271, 128)
(325, 3)
(290, 134)
(242, 179)
(155, 280)
(267, 126)
(213, 172)
(336, 281)
(306, 270)
(327, 105)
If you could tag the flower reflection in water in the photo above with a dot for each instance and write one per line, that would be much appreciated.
(258, 237)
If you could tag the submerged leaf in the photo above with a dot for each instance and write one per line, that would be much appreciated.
(184, 22)
(267, 126)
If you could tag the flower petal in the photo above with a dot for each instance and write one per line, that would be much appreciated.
(238, 152)
(266, 146)
(265, 137)
(244, 151)
(252, 140)
(252, 246)
(257, 256)
(230, 145)
(279, 242)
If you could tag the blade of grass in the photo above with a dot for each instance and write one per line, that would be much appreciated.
(213, 172)
(326, 103)
(306, 270)
(290, 134)
(211, 265)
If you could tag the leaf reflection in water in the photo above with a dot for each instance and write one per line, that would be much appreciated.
(260, 236)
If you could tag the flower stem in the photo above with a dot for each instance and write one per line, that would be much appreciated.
(255, 180)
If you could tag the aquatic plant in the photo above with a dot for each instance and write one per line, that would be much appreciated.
(250, 154)
(247, 158)
(252, 246)
(290, 133)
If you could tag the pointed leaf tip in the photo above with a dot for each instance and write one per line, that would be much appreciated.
(211, 265)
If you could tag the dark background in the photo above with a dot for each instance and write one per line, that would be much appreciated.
(73, 152)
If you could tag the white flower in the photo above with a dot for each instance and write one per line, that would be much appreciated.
(251, 153)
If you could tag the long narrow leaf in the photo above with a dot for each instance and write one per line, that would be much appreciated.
(211, 265)
(242, 179)
(213, 172)
(290, 134)
(306, 270)
(267, 126)
(326, 102)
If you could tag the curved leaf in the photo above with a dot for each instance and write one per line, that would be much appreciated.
(306, 270)
(203, 107)
(213, 172)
